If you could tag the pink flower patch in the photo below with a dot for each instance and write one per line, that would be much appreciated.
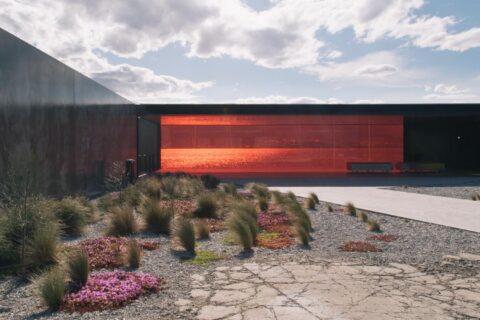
(111, 290)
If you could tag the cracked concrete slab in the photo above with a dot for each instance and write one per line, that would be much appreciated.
(334, 290)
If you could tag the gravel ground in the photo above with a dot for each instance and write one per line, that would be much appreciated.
(420, 244)
(459, 192)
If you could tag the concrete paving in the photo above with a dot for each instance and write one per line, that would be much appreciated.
(368, 194)
(450, 212)
(326, 289)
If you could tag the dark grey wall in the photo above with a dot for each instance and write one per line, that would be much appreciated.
(59, 119)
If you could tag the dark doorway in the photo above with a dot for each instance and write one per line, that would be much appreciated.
(148, 146)
(454, 141)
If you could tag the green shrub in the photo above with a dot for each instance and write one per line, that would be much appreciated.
(184, 234)
(314, 197)
(362, 216)
(52, 287)
(156, 217)
(72, 215)
(373, 225)
(43, 249)
(209, 181)
(310, 204)
(134, 254)
(206, 206)
(122, 222)
(230, 189)
(78, 268)
(350, 209)
(202, 230)
(241, 231)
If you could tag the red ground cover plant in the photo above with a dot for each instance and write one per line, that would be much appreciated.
(359, 246)
(383, 237)
(216, 225)
(108, 252)
(180, 207)
(111, 290)
(269, 220)
(274, 240)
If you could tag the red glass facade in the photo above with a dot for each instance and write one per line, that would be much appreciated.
(277, 144)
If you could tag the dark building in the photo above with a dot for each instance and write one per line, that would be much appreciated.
(74, 129)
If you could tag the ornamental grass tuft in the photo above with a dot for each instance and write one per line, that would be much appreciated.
(373, 226)
(78, 268)
(262, 203)
(291, 196)
(53, 287)
(43, 249)
(310, 204)
(241, 232)
(122, 222)
(362, 216)
(72, 215)
(202, 229)
(206, 206)
(157, 218)
(230, 189)
(277, 197)
(301, 233)
(134, 254)
(184, 234)
(151, 187)
(329, 208)
(350, 209)
(314, 197)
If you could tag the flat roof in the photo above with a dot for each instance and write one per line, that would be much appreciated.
(305, 109)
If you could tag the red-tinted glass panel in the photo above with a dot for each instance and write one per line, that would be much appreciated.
(277, 144)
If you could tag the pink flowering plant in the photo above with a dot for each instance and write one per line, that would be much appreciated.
(111, 290)
(267, 220)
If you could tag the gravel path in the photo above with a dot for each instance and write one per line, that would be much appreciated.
(459, 192)
(419, 244)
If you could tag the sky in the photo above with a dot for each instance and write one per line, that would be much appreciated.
(262, 51)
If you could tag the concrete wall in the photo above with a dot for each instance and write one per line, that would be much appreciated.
(58, 121)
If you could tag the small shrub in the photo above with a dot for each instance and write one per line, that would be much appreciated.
(151, 187)
(72, 215)
(247, 213)
(310, 204)
(122, 222)
(78, 268)
(245, 207)
(202, 230)
(53, 287)
(184, 234)
(204, 257)
(44, 245)
(134, 254)
(206, 206)
(329, 208)
(358, 246)
(259, 190)
(209, 181)
(362, 216)
(350, 209)
(314, 197)
(291, 196)
(241, 232)
(262, 203)
(298, 215)
(106, 202)
(131, 196)
(169, 187)
(230, 189)
(90, 208)
(301, 233)
(157, 218)
(373, 226)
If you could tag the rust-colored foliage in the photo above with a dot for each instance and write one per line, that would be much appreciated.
(215, 225)
(180, 207)
(383, 237)
(359, 246)
(274, 240)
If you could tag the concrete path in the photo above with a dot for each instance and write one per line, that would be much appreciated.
(324, 289)
(456, 213)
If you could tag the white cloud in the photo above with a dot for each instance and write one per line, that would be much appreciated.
(277, 99)
(366, 101)
(334, 54)
(442, 92)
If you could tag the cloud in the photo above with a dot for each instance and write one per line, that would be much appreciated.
(377, 70)
(442, 92)
(334, 54)
(277, 99)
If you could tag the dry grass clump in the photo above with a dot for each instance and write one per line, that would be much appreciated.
(106, 202)
(157, 218)
(262, 203)
(43, 249)
(350, 209)
(329, 208)
(277, 197)
(314, 197)
(362, 216)
(202, 229)
(301, 223)
(134, 254)
(130, 196)
(151, 187)
(53, 287)
(122, 222)
(291, 196)
(230, 189)
(373, 225)
(475, 196)
(359, 246)
(78, 268)
(184, 234)
(72, 215)
(310, 204)
(241, 231)
(206, 206)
